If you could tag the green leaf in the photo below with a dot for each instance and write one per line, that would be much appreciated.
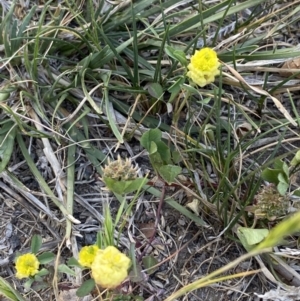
(175, 88)
(135, 185)
(24, 25)
(149, 263)
(282, 187)
(38, 278)
(46, 257)
(282, 178)
(155, 90)
(7, 139)
(85, 288)
(98, 59)
(285, 169)
(204, 101)
(164, 152)
(41, 273)
(286, 227)
(296, 160)
(156, 160)
(153, 135)
(278, 164)
(36, 243)
(8, 294)
(181, 57)
(250, 237)
(17, 33)
(191, 90)
(176, 157)
(28, 283)
(136, 274)
(169, 172)
(178, 55)
(152, 148)
(271, 175)
(100, 241)
(124, 187)
(109, 108)
(93, 104)
(296, 192)
(4, 96)
(41, 285)
(62, 268)
(108, 229)
(73, 262)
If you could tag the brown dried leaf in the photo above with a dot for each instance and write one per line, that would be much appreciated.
(67, 295)
(243, 129)
(260, 91)
(148, 229)
(293, 64)
(194, 206)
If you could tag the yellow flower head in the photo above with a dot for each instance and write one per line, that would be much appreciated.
(87, 255)
(110, 267)
(27, 265)
(204, 66)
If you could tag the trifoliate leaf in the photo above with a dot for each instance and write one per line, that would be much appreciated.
(169, 172)
(151, 135)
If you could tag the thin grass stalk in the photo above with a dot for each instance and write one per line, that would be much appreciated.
(136, 82)
(41, 181)
(9, 292)
(209, 279)
(70, 189)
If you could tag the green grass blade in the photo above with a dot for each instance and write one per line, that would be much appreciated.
(39, 177)
(210, 15)
(7, 139)
(109, 108)
(70, 185)
(9, 292)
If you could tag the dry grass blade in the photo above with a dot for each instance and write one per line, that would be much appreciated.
(286, 271)
(277, 103)
(52, 159)
(23, 190)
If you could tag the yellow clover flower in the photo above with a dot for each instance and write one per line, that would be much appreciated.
(204, 66)
(87, 255)
(110, 267)
(27, 265)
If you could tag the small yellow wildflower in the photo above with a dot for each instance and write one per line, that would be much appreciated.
(110, 267)
(27, 265)
(204, 66)
(87, 255)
